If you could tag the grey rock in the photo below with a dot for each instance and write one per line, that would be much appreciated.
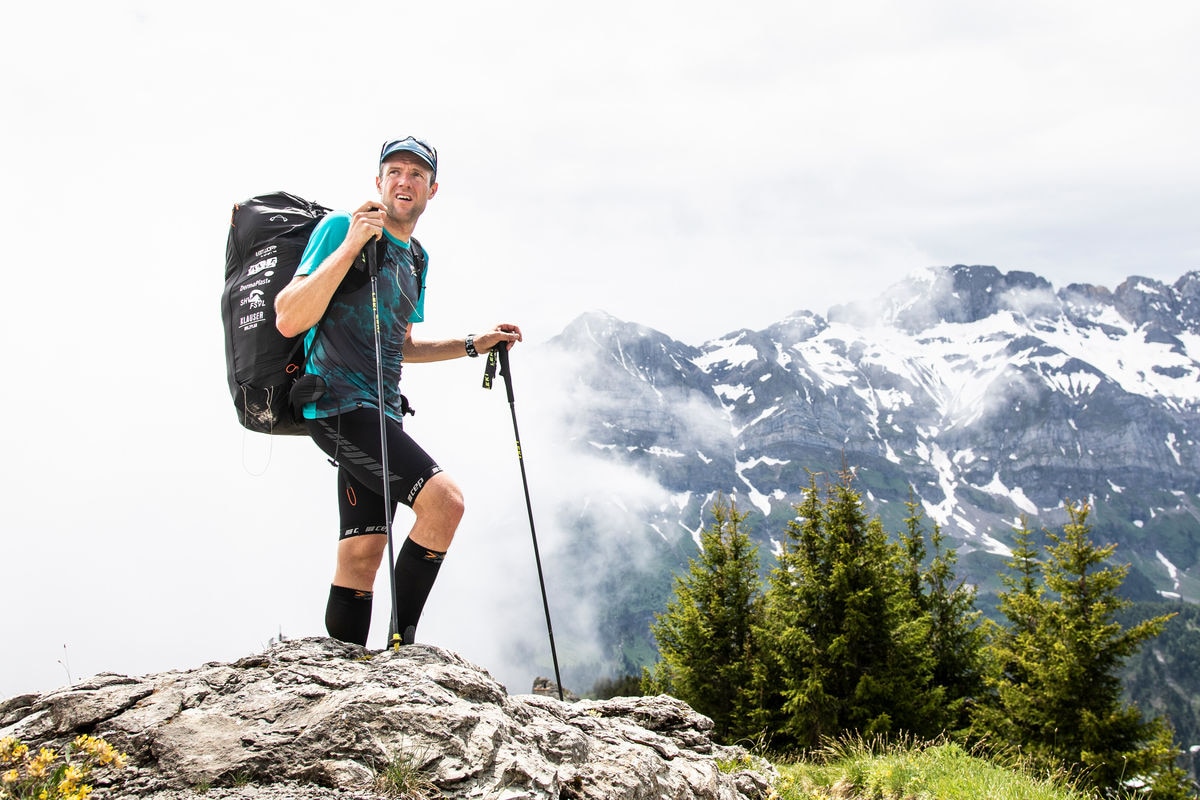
(317, 718)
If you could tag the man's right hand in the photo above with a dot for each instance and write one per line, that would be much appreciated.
(366, 223)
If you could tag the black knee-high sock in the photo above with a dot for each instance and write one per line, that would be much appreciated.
(416, 570)
(348, 614)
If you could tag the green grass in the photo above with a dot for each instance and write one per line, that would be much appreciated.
(861, 770)
(404, 777)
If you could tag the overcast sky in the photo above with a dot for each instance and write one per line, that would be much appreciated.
(697, 167)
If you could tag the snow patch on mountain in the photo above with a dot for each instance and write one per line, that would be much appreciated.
(1172, 570)
(731, 394)
(727, 352)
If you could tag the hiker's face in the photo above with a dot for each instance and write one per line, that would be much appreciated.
(404, 187)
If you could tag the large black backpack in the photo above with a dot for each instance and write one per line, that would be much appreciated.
(267, 237)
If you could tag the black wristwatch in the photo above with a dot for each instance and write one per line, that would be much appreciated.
(471, 351)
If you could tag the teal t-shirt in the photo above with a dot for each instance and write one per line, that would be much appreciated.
(341, 347)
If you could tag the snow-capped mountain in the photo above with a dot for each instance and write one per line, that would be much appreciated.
(992, 394)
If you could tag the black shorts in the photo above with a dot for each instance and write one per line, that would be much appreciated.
(352, 441)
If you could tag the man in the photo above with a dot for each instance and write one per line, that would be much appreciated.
(343, 419)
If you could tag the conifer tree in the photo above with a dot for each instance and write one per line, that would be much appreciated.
(956, 637)
(1058, 693)
(848, 639)
(706, 635)
(1015, 712)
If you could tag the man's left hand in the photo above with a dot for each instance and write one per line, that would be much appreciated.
(502, 333)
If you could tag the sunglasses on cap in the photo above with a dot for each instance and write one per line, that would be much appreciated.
(410, 144)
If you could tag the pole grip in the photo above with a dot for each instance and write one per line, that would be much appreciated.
(371, 250)
(502, 351)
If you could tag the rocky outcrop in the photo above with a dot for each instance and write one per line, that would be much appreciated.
(317, 718)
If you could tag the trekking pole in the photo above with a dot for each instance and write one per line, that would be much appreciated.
(373, 271)
(500, 352)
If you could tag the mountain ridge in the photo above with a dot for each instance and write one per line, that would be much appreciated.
(993, 395)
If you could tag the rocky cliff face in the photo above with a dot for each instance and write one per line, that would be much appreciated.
(993, 395)
(317, 718)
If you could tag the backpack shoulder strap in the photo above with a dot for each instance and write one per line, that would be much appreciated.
(420, 260)
(357, 276)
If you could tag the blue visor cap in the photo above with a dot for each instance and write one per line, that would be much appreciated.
(413, 145)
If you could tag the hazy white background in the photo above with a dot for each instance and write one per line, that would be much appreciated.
(693, 166)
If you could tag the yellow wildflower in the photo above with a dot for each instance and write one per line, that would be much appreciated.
(39, 777)
(41, 763)
(103, 752)
(71, 776)
(11, 750)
